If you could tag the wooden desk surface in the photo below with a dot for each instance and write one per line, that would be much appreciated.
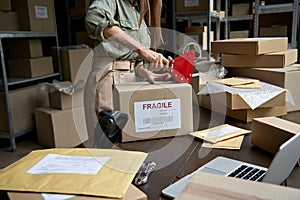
(178, 156)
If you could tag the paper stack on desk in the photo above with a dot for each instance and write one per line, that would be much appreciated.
(223, 136)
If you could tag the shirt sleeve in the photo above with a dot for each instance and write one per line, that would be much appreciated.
(99, 16)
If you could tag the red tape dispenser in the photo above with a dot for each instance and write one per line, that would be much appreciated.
(182, 67)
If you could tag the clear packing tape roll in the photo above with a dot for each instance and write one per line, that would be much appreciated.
(252, 96)
(65, 87)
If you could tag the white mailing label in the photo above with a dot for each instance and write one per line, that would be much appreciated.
(41, 12)
(157, 115)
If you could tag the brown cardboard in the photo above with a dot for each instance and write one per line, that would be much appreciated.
(273, 31)
(193, 5)
(234, 102)
(239, 34)
(23, 102)
(126, 95)
(196, 29)
(60, 128)
(30, 67)
(5, 5)
(9, 21)
(240, 9)
(276, 59)
(72, 60)
(269, 133)
(35, 15)
(250, 46)
(246, 115)
(62, 101)
(31, 48)
(133, 193)
(212, 186)
(287, 77)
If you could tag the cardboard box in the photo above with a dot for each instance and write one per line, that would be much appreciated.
(72, 60)
(277, 59)
(30, 67)
(60, 128)
(240, 9)
(251, 46)
(193, 5)
(234, 102)
(62, 101)
(269, 133)
(133, 193)
(155, 110)
(9, 21)
(196, 29)
(35, 15)
(273, 31)
(239, 34)
(212, 186)
(25, 48)
(246, 115)
(5, 5)
(23, 102)
(287, 78)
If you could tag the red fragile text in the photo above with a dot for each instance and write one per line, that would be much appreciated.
(157, 105)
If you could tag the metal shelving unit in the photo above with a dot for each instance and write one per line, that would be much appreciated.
(207, 17)
(278, 8)
(6, 82)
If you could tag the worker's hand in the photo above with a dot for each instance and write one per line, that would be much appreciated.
(151, 77)
(157, 61)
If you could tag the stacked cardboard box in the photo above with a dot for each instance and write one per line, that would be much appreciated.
(35, 15)
(63, 123)
(193, 5)
(270, 62)
(27, 60)
(23, 102)
(75, 63)
(242, 54)
(9, 20)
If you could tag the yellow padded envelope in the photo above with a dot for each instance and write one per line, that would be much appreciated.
(112, 180)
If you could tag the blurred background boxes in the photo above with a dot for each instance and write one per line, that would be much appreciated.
(240, 9)
(193, 5)
(23, 102)
(9, 21)
(25, 48)
(5, 5)
(30, 67)
(35, 15)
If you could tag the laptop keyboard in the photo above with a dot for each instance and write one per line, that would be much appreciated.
(249, 173)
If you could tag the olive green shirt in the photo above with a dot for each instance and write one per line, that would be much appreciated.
(123, 13)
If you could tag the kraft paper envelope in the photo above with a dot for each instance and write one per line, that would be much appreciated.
(240, 82)
(232, 143)
(220, 133)
(112, 180)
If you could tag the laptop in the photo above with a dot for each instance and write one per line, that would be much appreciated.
(280, 168)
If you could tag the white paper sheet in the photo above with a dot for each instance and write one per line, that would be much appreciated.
(55, 163)
(47, 196)
(212, 134)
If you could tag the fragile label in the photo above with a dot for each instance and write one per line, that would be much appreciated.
(157, 115)
(41, 12)
(191, 3)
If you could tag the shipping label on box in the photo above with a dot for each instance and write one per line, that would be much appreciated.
(157, 115)
(154, 110)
